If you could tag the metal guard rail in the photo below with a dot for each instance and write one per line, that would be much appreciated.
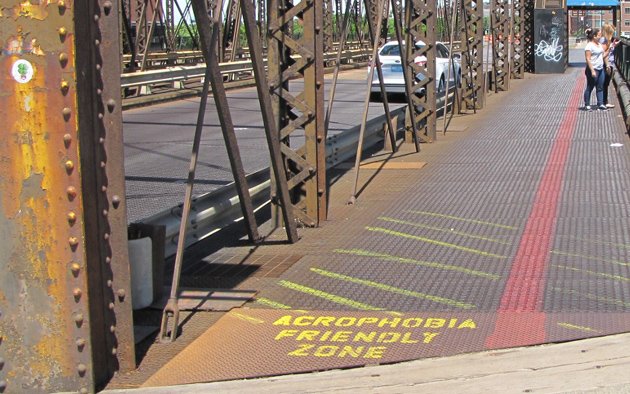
(622, 76)
(184, 73)
(220, 208)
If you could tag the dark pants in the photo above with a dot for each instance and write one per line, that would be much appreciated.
(596, 82)
(607, 78)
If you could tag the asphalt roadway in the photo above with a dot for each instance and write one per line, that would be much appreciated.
(158, 142)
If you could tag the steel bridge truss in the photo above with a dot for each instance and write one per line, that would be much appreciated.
(301, 110)
(473, 91)
(500, 28)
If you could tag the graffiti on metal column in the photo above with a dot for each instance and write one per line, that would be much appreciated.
(548, 47)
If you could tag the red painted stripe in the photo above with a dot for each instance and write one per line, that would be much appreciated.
(522, 300)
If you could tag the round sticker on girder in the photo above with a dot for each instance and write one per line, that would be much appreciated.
(22, 71)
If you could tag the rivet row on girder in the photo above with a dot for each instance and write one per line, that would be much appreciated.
(71, 193)
(3, 383)
(110, 106)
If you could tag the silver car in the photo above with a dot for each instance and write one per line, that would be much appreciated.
(389, 55)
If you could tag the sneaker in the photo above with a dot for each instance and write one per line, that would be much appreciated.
(588, 108)
(610, 105)
(602, 108)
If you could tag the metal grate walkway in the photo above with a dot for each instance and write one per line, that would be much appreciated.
(514, 233)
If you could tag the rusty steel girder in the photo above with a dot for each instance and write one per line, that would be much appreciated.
(261, 17)
(304, 110)
(169, 25)
(473, 81)
(65, 298)
(517, 58)
(231, 28)
(500, 26)
(528, 36)
(420, 22)
(328, 24)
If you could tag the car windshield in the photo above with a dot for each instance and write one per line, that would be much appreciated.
(394, 50)
(391, 50)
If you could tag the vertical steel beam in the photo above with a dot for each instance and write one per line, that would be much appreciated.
(169, 25)
(261, 21)
(338, 20)
(141, 30)
(472, 55)
(328, 25)
(517, 57)
(410, 70)
(500, 26)
(144, 29)
(102, 165)
(231, 28)
(64, 288)
(302, 110)
(272, 133)
(420, 22)
(126, 34)
(528, 36)
(377, 16)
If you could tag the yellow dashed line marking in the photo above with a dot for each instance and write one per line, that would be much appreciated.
(590, 258)
(594, 297)
(574, 327)
(248, 318)
(463, 219)
(624, 246)
(329, 297)
(444, 230)
(435, 242)
(392, 289)
(448, 267)
(616, 277)
(272, 304)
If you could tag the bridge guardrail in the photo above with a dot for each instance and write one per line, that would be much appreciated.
(220, 208)
(622, 76)
(229, 70)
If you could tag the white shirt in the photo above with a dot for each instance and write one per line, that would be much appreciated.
(597, 54)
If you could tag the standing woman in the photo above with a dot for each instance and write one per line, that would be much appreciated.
(608, 43)
(594, 54)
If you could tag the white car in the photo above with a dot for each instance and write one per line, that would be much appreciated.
(389, 55)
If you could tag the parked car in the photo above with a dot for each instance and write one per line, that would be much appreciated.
(389, 56)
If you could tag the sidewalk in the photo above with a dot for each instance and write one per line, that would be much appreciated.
(515, 220)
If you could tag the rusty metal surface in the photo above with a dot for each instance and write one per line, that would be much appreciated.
(44, 319)
(272, 342)
(420, 24)
(517, 55)
(528, 36)
(473, 81)
(296, 111)
(102, 169)
(269, 111)
(500, 24)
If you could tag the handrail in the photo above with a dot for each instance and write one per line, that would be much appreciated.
(185, 73)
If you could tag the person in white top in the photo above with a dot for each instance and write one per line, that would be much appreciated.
(594, 54)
